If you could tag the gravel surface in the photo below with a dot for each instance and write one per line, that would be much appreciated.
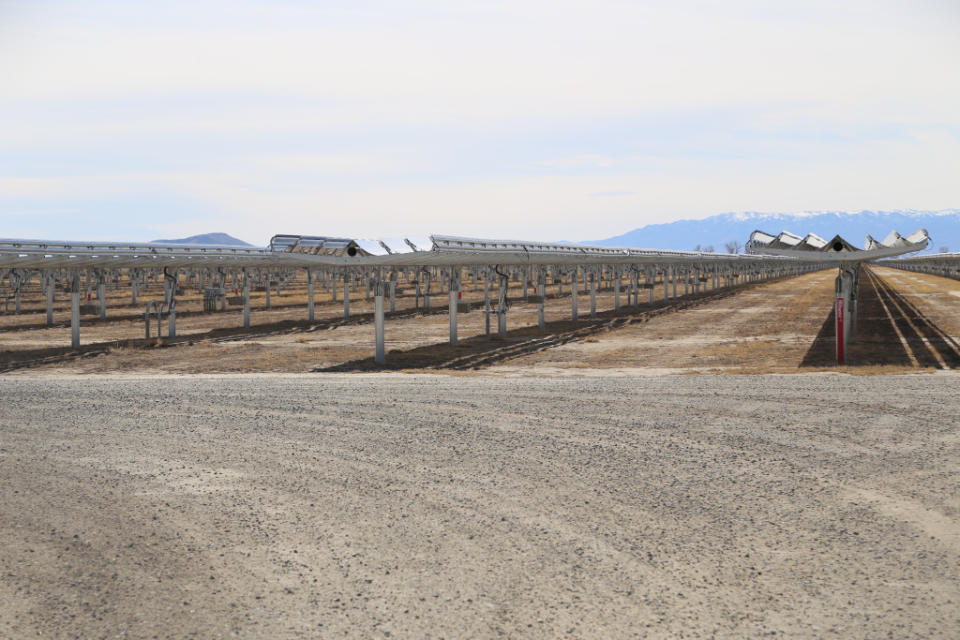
(480, 506)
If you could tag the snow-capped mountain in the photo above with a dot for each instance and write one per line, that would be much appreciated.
(943, 227)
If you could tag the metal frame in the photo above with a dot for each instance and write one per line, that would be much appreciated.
(813, 248)
(839, 252)
(297, 251)
(341, 260)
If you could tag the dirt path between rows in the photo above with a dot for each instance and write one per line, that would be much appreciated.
(777, 327)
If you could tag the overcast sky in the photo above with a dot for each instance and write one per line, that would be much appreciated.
(540, 120)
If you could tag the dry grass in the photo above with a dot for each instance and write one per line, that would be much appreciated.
(763, 328)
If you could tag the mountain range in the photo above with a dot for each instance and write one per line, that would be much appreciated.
(716, 231)
(208, 238)
(943, 227)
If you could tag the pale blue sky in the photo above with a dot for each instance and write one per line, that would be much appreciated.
(574, 120)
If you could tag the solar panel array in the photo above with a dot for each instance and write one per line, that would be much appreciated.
(837, 250)
(380, 263)
(287, 250)
(941, 264)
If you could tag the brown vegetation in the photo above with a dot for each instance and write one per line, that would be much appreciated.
(783, 326)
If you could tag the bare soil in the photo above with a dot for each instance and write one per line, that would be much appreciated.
(907, 322)
(282, 340)
(573, 489)
(384, 505)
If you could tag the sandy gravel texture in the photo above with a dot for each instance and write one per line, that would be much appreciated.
(480, 506)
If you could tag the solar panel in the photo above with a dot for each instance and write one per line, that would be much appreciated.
(396, 245)
(837, 249)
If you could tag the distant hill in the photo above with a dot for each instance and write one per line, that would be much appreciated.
(943, 226)
(208, 238)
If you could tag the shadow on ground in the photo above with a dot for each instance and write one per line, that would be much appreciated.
(890, 331)
(470, 353)
(483, 351)
(26, 358)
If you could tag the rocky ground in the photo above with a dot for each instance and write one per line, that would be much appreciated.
(369, 505)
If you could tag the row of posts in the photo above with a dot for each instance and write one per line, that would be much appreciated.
(694, 280)
(382, 284)
(943, 268)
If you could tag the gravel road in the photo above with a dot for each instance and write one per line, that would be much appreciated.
(379, 505)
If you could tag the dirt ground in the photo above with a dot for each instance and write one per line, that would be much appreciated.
(553, 483)
(282, 340)
(390, 505)
(908, 322)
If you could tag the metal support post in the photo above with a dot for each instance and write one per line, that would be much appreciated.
(75, 309)
(16, 303)
(380, 357)
(246, 299)
(310, 287)
(51, 287)
(102, 294)
(146, 318)
(846, 287)
(267, 289)
(616, 291)
(172, 319)
(486, 302)
(593, 294)
(502, 308)
(426, 292)
(454, 299)
(574, 287)
(452, 311)
(542, 290)
(840, 326)
(346, 294)
(223, 285)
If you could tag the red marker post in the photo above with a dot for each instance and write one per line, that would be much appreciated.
(840, 335)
